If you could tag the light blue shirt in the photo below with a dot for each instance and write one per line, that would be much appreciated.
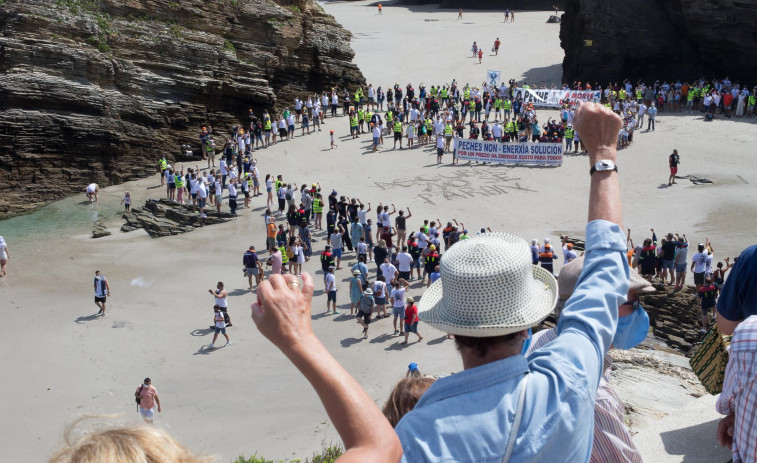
(467, 417)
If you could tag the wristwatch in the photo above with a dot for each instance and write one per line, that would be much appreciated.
(604, 164)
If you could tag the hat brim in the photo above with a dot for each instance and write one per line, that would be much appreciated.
(432, 310)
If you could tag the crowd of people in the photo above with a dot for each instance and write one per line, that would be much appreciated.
(403, 255)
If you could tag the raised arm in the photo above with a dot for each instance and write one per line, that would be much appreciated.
(282, 314)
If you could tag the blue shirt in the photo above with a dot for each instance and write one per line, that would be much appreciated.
(467, 417)
(738, 297)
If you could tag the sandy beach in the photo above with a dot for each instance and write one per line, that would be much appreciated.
(247, 397)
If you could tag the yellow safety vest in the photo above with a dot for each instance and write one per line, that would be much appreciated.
(507, 105)
(353, 122)
(163, 164)
(568, 133)
(267, 125)
(284, 257)
(179, 181)
(398, 127)
(317, 206)
(448, 130)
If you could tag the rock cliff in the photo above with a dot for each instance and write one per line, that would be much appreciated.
(665, 40)
(97, 90)
(499, 5)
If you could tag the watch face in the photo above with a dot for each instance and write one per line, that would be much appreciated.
(604, 164)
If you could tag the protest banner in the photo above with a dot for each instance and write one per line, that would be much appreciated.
(553, 98)
(541, 154)
(492, 77)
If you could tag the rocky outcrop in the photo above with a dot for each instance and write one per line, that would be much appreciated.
(99, 230)
(650, 39)
(675, 317)
(165, 218)
(96, 90)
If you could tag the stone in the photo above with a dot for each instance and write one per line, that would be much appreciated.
(553, 19)
(612, 41)
(112, 85)
(165, 218)
(99, 230)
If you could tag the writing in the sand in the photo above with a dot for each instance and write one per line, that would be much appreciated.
(458, 185)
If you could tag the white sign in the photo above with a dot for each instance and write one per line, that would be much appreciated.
(492, 78)
(549, 98)
(541, 154)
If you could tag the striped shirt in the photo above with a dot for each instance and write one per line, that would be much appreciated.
(740, 390)
(612, 439)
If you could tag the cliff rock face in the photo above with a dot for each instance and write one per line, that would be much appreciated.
(98, 90)
(653, 39)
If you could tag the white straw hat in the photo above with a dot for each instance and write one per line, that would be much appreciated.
(488, 287)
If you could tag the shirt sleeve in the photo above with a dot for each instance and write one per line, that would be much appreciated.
(590, 317)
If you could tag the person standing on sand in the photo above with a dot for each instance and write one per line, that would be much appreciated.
(3, 256)
(512, 16)
(102, 290)
(673, 161)
(220, 296)
(460, 14)
(329, 283)
(220, 327)
(411, 320)
(148, 397)
(252, 268)
(379, 8)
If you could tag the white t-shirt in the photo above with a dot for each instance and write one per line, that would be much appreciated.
(362, 248)
(232, 189)
(376, 132)
(700, 262)
(330, 282)
(362, 216)
(386, 221)
(224, 169)
(101, 290)
(389, 271)
(170, 177)
(378, 289)
(193, 185)
(201, 192)
(404, 260)
(422, 240)
(399, 297)
(91, 187)
(218, 189)
(440, 142)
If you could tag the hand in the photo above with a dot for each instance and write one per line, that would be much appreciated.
(598, 127)
(725, 431)
(281, 313)
(159, 410)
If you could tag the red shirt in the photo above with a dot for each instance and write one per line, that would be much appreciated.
(411, 314)
(727, 99)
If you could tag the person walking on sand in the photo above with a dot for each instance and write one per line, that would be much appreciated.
(496, 46)
(329, 282)
(411, 320)
(480, 55)
(673, 161)
(397, 299)
(460, 13)
(365, 306)
(3, 256)
(252, 266)
(147, 397)
(126, 201)
(102, 290)
(379, 8)
(220, 327)
(220, 296)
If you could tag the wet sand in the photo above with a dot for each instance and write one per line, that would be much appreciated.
(61, 361)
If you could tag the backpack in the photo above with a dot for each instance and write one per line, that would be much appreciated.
(290, 253)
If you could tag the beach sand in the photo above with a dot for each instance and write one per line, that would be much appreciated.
(60, 361)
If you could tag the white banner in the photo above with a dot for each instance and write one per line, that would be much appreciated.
(549, 98)
(542, 154)
(492, 78)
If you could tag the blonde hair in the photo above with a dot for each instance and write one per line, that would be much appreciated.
(404, 396)
(132, 444)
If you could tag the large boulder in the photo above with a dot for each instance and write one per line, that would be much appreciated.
(97, 90)
(651, 39)
(165, 218)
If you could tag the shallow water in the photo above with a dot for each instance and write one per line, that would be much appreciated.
(57, 221)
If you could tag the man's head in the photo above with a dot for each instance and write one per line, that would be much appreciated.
(700, 247)
(633, 321)
(220, 285)
(97, 273)
(252, 248)
(331, 269)
(488, 302)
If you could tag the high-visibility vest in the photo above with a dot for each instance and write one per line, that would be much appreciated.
(353, 121)
(638, 94)
(397, 127)
(507, 105)
(179, 180)
(569, 133)
(429, 126)
(751, 100)
(163, 163)
(317, 205)
(361, 114)
(278, 185)
(388, 115)
(267, 125)
(445, 93)
(466, 94)
(433, 91)
(448, 130)
(622, 94)
(284, 257)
